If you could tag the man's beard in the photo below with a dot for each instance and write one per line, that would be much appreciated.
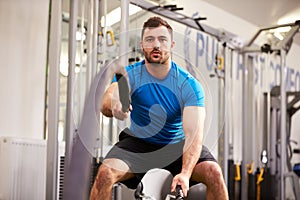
(162, 59)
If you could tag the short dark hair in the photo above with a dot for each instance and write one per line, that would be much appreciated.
(154, 22)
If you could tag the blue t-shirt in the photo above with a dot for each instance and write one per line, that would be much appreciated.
(158, 104)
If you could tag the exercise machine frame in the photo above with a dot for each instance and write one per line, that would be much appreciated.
(281, 48)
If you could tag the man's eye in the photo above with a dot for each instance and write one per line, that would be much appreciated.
(149, 40)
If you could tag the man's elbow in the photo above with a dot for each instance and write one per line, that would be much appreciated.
(106, 111)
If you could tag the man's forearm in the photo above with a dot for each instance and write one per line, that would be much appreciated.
(191, 154)
(106, 107)
(193, 123)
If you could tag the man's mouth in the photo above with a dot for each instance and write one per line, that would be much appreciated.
(156, 54)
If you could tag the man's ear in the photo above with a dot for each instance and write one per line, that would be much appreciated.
(141, 45)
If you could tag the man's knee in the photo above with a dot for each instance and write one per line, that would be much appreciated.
(105, 176)
(214, 171)
(208, 172)
(112, 171)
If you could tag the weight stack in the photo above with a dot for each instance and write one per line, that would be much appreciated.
(268, 186)
(251, 187)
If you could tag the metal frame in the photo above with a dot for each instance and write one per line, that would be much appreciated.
(224, 135)
(223, 36)
(230, 39)
(281, 48)
(78, 158)
(245, 110)
(53, 113)
(70, 130)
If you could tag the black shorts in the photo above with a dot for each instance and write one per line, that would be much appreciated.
(142, 156)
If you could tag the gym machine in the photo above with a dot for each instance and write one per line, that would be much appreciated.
(76, 144)
(292, 98)
(260, 43)
(82, 140)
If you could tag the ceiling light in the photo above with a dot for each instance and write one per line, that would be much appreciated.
(115, 15)
(290, 17)
(278, 35)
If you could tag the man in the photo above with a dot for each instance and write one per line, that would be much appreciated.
(167, 118)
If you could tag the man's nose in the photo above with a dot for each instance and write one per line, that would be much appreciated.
(155, 48)
(156, 44)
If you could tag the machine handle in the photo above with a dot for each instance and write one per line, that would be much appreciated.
(179, 193)
(123, 92)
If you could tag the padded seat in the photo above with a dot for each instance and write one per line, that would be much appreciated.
(156, 185)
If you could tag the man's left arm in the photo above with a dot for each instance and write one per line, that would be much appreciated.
(193, 127)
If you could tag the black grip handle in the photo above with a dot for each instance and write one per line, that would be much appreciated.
(123, 92)
(138, 193)
(179, 192)
(296, 150)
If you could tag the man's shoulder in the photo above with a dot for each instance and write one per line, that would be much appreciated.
(134, 72)
(181, 72)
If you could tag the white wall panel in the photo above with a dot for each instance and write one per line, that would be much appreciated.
(24, 27)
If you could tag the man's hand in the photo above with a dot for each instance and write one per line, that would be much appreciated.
(182, 180)
(112, 106)
(117, 111)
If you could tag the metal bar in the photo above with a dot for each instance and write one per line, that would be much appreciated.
(253, 38)
(81, 90)
(282, 123)
(273, 140)
(252, 127)
(244, 128)
(266, 119)
(95, 38)
(250, 49)
(70, 85)
(226, 136)
(124, 42)
(124, 31)
(268, 28)
(102, 15)
(267, 122)
(89, 49)
(282, 44)
(53, 113)
(256, 49)
(279, 26)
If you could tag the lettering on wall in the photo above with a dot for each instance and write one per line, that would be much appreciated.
(265, 75)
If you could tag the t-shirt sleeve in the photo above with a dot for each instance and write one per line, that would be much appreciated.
(114, 79)
(127, 68)
(193, 93)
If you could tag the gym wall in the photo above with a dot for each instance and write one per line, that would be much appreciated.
(24, 32)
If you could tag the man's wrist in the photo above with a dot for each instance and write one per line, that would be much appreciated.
(186, 172)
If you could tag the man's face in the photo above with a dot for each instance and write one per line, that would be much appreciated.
(157, 44)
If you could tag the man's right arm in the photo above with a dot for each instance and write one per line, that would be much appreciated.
(111, 105)
(107, 101)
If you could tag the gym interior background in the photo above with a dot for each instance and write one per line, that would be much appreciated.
(245, 53)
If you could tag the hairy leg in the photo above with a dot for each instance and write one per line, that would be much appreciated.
(210, 173)
(110, 172)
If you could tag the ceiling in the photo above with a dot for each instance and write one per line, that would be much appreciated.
(262, 13)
